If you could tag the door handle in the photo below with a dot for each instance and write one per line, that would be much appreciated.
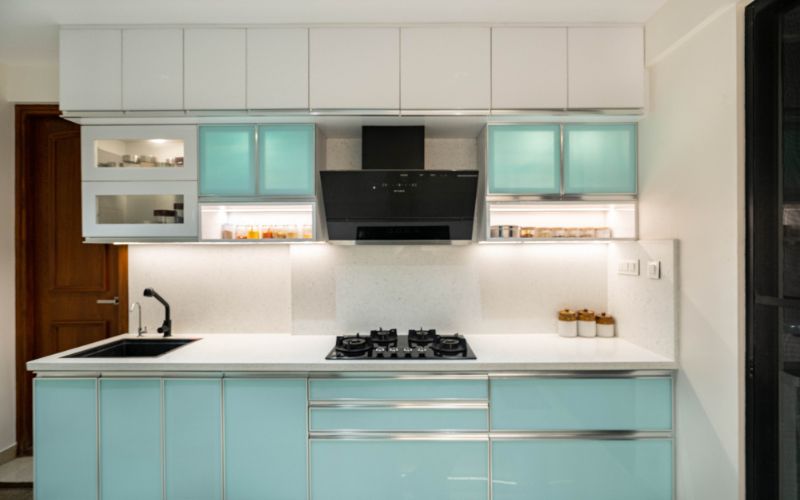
(112, 302)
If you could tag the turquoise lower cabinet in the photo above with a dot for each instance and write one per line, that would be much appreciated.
(600, 159)
(65, 439)
(193, 439)
(227, 160)
(398, 419)
(578, 469)
(265, 439)
(524, 159)
(130, 439)
(578, 404)
(377, 469)
(286, 159)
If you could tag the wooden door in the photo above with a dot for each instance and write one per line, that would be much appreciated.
(59, 278)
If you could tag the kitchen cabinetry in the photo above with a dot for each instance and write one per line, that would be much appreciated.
(193, 439)
(529, 68)
(152, 69)
(227, 160)
(130, 439)
(524, 159)
(606, 67)
(266, 439)
(215, 69)
(600, 159)
(354, 68)
(445, 68)
(90, 69)
(65, 434)
(277, 68)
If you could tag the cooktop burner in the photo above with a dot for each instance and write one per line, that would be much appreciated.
(386, 344)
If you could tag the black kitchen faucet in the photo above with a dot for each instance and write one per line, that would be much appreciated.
(166, 327)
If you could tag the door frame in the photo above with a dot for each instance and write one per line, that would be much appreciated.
(24, 276)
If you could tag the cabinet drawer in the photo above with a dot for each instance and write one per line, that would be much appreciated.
(399, 389)
(561, 404)
(399, 419)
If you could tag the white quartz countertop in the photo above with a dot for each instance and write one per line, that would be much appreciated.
(306, 353)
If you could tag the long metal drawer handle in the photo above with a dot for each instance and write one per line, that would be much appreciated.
(112, 302)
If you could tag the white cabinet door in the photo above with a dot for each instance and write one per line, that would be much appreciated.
(606, 67)
(445, 68)
(355, 68)
(277, 68)
(214, 68)
(529, 68)
(152, 69)
(90, 69)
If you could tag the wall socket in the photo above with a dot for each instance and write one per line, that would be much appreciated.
(654, 269)
(628, 267)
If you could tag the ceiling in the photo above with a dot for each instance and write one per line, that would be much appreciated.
(29, 35)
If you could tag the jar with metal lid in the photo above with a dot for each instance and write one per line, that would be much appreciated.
(164, 216)
(567, 323)
(587, 324)
(605, 325)
(178, 207)
(494, 232)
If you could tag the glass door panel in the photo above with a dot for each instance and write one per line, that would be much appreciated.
(286, 154)
(600, 159)
(227, 161)
(524, 159)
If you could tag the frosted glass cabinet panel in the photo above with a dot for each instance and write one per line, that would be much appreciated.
(600, 159)
(193, 439)
(227, 161)
(524, 159)
(398, 470)
(139, 153)
(286, 154)
(130, 439)
(265, 439)
(572, 469)
(65, 435)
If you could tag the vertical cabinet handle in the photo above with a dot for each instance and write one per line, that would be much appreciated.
(113, 302)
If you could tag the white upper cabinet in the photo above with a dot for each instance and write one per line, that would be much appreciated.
(152, 69)
(529, 68)
(277, 68)
(90, 69)
(355, 68)
(215, 68)
(445, 68)
(606, 67)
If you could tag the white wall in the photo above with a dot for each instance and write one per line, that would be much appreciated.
(691, 184)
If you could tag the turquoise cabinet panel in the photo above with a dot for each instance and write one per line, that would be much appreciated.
(193, 439)
(399, 470)
(548, 404)
(600, 159)
(65, 439)
(525, 159)
(227, 161)
(265, 439)
(130, 439)
(556, 469)
(398, 389)
(286, 157)
(399, 419)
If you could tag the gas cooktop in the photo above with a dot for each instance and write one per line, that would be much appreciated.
(387, 344)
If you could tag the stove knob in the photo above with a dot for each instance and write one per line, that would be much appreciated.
(393, 349)
(407, 349)
(421, 349)
(379, 349)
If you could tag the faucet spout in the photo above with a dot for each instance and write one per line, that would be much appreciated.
(140, 330)
(166, 326)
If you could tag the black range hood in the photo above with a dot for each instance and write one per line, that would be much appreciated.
(401, 203)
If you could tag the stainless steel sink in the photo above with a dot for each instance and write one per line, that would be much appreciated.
(133, 348)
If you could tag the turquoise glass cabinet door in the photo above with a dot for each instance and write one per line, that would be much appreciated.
(265, 439)
(193, 439)
(398, 419)
(227, 161)
(525, 159)
(130, 439)
(286, 156)
(65, 438)
(600, 159)
(399, 470)
(556, 469)
(571, 404)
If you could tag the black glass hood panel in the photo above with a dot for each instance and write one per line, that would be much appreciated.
(400, 205)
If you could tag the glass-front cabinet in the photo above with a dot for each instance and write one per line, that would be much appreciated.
(600, 159)
(525, 159)
(139, 153)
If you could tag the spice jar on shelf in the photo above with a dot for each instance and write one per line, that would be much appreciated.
(241, 232)
(567, 323)
(228, 231)
(605, 325)
(307, 232)
(572, 232)
(602, 233)
(587, 325)
(178, 212)
(266, 232)
(253, 233)
(164, 216)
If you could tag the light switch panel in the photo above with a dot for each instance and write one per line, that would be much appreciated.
(628, 267)
(654, 269)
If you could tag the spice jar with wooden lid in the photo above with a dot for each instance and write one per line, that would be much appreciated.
(567, 323)
(605, 325)
(587, 325)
